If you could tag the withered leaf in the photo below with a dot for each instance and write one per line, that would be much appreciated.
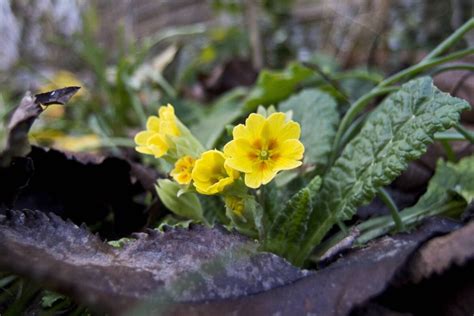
(85, 188)
(59, 96)
(337, 289)
(213, 263)
(439, 254)
(16, 143)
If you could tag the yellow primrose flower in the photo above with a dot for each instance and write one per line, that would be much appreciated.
(234, 203)
(183, 169)
(154, 141)
(211, 175)
(263, 147)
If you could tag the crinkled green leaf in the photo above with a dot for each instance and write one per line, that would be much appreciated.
(290, 224)
(275, 86)
(317, 113)
(398, 131)
(186, 205)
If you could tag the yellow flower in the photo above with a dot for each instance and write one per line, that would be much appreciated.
(155, 140)
(183, 169)
(234, 203)
(211, 175)
(263, 147)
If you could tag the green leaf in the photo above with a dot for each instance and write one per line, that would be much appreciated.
(250, 222)
(172, 221)
(449, 191)
(317, 113)
(274, 86)
(289, 226)
(119, 243)
(398, 131)
(457, 178)
(186, 205)
(225, 111)
(271, 203)
(50, 298)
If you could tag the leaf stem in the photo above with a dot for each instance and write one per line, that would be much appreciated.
(467, 134)
(451, 40)
(422, 66)
(448, 151)
(449, 136)
(460, 66)
(379, 226)
(383, 88)
(355, 109)
(392, 206)
(385, 224)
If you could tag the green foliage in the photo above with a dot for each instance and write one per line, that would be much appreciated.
(225, 111)
(395, 133)
(275, 86)
(250, 222)
(449, 191)
(187, 205)
(290, 224)
(172, 221)
(317, 113)
(450, 180)
(50, 298)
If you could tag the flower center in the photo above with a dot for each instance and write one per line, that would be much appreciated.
(264, 155)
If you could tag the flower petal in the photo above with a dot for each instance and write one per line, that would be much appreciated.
(143, 150)
(291, 149)
(254, 124)
(141, 138)
(153, 124)
(238, 154)
(158, 145)
(277, 128)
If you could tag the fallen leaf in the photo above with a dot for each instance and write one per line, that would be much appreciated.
(181, 265)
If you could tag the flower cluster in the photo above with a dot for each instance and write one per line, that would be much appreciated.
(258, 151)
(160, 130)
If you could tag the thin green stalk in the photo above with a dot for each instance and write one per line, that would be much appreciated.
(451, 40)
(386, 224)
(448, 150)
(353, 129)
(355, 109)
(138, 107)
(449, 136)
(380, 89)
(381, 225)
(392, 206)
(460, 66)
(342, 227)
(420, 67)
(467, 134)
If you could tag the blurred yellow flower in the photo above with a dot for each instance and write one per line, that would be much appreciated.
(59, 140)
(63, 79)
(263, 147)
(211, 175)
(155, 140)
(236, 204)
(183, 169)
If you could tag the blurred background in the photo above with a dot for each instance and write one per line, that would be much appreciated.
(129, 57)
